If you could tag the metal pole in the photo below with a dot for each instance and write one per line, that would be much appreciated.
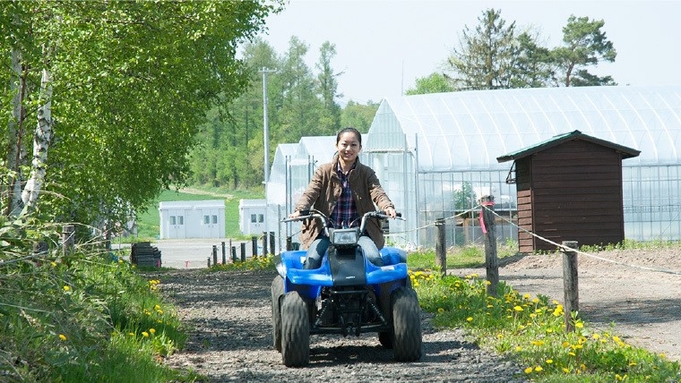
(266, 140)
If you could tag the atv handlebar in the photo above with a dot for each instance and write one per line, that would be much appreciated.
(313, 213)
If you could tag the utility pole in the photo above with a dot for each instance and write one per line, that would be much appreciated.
(266, 145)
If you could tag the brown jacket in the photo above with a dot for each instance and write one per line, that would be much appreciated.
(325, 189)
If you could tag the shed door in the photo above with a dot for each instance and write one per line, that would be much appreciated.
(176, 224)
(210, 223)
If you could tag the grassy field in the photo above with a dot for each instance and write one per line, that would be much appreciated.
(149, 221)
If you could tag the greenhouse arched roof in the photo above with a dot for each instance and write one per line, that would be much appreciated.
(469, 130)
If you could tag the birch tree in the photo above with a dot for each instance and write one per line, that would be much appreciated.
(126, 86)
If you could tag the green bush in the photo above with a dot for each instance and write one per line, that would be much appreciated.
(82, 317)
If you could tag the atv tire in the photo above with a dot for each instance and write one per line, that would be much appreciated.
(295, 331)
(277, 294)
(386, 339)
(406, 317)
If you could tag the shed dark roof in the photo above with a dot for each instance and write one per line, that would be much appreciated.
(565, 137)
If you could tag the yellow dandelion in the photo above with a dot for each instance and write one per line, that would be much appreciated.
(595, 336)
(440, 310)
(518, 308)
(535, 300)
(145, 334)
(157, 307)
(131, 333)
(152, 330)
(526, 296)
(538, 369)
(67, 288)
(566, 370)
(518, 348)
(528, 370)
(579, 324)
(549, 361)
(469, 319)
(54, 264)
(62, 337)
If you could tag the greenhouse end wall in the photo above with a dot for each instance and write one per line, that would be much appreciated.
(652, 202)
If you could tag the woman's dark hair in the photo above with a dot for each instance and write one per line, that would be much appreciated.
(349, 130)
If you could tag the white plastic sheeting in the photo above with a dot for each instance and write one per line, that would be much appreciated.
(469, 130)
(438, 152)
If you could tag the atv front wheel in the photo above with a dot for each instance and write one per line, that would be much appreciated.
(386, 339)
(406, 315)
(277, 293)
(295, 331)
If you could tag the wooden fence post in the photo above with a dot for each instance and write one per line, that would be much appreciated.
(254, 246)
(264, 243)
(68, 238)
(570, 283)
(441, 246)
(224, 255)
(243, 251)
(215, 255)
(491, 258)
(272, 247)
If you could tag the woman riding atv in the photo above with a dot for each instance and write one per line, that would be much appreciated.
(344, 190)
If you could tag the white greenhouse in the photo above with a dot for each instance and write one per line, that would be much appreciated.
(436, 155)
(291, 172)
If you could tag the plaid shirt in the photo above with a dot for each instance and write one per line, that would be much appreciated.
(345, 211)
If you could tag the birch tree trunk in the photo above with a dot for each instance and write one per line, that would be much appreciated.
(41, 142)
(14, 135)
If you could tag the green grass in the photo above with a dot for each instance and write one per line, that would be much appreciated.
(85, 318)
(531, 330)
(149, 222)
(459, 257)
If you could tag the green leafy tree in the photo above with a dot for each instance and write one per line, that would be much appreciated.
(485, 56)
(359, 116)
(330, 118)
(584, 45)
(434, 83)
(125, 86)
(465, 197)
(301, 107)
(533, 64)
(496, 56)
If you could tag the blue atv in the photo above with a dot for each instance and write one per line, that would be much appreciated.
(346, 295)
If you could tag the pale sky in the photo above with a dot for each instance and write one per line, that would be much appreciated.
(383, 46)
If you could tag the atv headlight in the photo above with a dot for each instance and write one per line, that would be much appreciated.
(344, 237)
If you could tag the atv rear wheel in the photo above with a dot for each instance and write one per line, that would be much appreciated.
(277, 293)
(406, 315)
(295, 331)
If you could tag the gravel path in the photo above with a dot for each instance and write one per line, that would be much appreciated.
(230, 340)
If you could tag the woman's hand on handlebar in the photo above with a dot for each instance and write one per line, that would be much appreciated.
(295, 214)
(390, 212)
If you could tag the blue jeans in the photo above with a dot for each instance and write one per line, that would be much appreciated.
(321, 244)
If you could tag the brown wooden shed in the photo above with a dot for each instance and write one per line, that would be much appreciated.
(569, 189)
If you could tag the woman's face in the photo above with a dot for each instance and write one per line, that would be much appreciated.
(348, 147)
